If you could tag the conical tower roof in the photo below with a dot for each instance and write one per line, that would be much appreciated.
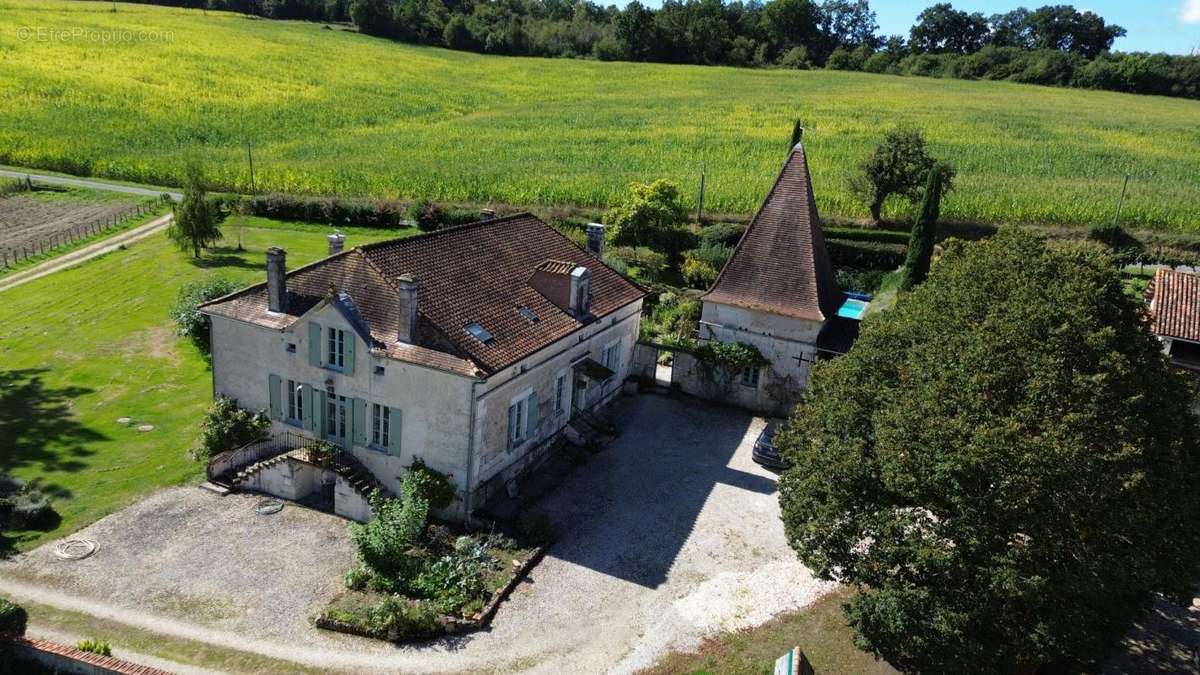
(781, 265)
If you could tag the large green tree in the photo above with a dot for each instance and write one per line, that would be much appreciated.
(1003, 466)
(899, 165)
(651, 215)
(195, 225)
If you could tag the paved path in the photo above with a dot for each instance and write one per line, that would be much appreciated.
(84, 254)
(88, 183)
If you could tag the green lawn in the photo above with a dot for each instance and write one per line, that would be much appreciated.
(331, 111)
(83, 347)
(819, 630)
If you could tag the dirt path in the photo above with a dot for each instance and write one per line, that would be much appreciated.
(89, 184)
(84, 254)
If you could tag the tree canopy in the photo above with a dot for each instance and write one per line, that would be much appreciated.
(899, 166)
(195, 224)
(1003, 465)
(651, 215)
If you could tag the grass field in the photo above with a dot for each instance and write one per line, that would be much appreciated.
(83, 347)
(331, 111)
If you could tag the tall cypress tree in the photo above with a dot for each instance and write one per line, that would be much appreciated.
(924, 232)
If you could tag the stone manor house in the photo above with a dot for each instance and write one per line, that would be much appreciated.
(467, 347)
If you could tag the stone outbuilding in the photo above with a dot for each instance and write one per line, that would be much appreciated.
(779, 293)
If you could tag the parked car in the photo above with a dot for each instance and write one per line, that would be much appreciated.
(765, 452)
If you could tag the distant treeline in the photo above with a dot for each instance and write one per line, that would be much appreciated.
(1052, 45)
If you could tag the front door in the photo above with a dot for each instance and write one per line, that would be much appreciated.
(579, 397)
(335, 419)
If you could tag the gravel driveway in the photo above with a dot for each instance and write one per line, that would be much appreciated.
(668, 535)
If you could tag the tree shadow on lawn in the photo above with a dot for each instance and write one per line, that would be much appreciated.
(38, 428)
(224, 257)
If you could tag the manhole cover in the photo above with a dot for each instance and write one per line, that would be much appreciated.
(268, 507)
(75, 549)
(146, 427)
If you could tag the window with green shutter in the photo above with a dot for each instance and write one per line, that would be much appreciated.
(531, 420)
(395, 423)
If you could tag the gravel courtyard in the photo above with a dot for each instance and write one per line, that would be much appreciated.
(668, 535)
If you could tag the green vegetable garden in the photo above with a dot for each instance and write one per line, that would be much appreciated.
(335, 112)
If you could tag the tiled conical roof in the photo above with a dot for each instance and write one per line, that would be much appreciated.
(781, 265)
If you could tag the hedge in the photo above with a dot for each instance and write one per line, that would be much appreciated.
(865, 254)
(862, 234)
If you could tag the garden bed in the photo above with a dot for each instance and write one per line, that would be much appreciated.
(398, 618)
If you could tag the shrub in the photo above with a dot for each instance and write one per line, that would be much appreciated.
(95, 646)
(427, 215)
(650, 215)
(865, 254)
(796, 58)
(398, 618)
(458, 578)
(430, 485)
(729, 357)
(1113, 236)
(189, 322)
(714, 255)
(619, 266)
(382, 213)
(722, 233)
(226, 426)
(385, 543)
(650, 263)
(697, 273)
(867, 234)
(862, 281)
(357, 578)
(13, 619)
(23, 506)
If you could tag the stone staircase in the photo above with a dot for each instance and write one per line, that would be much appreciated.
(343, 464)
(249, 471)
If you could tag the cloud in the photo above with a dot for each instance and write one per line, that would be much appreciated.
(1190, 12)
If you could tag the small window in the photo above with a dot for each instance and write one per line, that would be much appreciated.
(530, 315)
(337, 348)
(516, 423)
(291, 348)
(381, 425)
(379, 370)
(295, 402)
(479, 333)
(750, 376)
(560, 393)
(611, 358)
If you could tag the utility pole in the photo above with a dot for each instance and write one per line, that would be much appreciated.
(700, 198)
(1121, 202)
(250, 160)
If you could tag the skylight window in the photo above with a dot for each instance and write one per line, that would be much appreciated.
(479, 333)
(528, 313)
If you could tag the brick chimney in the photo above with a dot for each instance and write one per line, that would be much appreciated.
(409, 296)
(337, 243)
(276, 279)
(595, 239)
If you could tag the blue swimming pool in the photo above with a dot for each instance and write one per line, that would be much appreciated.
(853, 308)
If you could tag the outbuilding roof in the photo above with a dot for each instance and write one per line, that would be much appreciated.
(472, 274)
(780, 264)
(1174, 303)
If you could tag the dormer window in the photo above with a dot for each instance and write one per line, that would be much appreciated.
(530, 315)
(479, 333)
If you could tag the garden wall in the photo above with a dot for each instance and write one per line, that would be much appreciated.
(62, 659)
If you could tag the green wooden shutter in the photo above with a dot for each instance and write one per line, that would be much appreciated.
(359, 421)
(531, 420)
(314, 344)
(318, 417)
(397, 425)
(306, 400)
(351, 338)
(273, 385)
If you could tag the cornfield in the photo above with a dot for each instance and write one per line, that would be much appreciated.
(136, 94)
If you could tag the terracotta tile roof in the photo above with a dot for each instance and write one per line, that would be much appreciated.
(1174, 300)
(781, 265)
(556, 267)
(472, 273)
